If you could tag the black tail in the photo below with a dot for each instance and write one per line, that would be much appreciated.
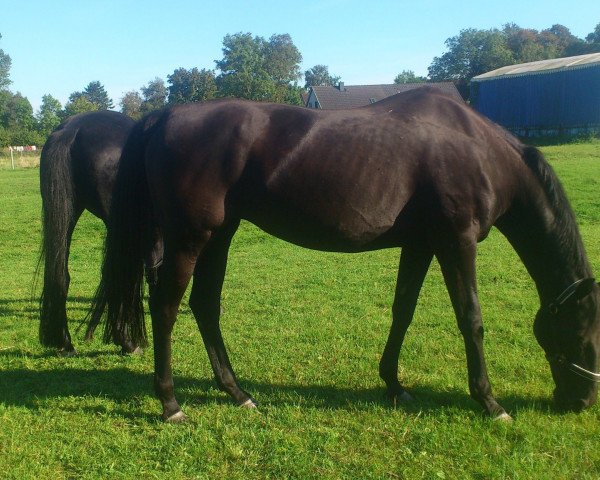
(58, 217)
(121, 288)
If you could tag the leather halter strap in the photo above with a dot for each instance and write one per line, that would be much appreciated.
(554, 307)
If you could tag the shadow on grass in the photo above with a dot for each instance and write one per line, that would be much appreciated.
(27, 388)
(19, 306)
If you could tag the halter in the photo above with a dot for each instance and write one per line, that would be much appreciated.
(554, 308)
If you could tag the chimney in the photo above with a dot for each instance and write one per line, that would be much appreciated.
(341, 87)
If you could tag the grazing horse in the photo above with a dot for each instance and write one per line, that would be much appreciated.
(78, 166)
(418, 170)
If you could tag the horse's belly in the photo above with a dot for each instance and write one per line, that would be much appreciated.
(329, 228)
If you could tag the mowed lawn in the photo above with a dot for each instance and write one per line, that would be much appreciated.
(305, 331)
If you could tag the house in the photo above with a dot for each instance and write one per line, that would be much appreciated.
(548, 97)
(351, 96)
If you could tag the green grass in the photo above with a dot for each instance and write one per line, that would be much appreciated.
(304, 331)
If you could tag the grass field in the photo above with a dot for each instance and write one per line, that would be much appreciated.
(305, 331)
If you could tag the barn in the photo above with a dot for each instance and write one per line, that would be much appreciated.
(547, 97)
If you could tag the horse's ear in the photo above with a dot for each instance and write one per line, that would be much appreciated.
(584, 288)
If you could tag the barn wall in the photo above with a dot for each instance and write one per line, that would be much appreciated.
(558, 102)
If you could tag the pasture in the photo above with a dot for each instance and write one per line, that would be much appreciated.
(305, 331)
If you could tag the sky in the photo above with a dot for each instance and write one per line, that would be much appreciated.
(57, 47)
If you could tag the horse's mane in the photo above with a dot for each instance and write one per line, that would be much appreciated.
(565, 224)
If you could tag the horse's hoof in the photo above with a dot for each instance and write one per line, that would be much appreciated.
(136, 352)
(66, 352)
(404, 397)
(401, 398)
(503, 417)
(178, 417)
(249, 404)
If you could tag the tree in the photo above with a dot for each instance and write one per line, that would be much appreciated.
(5, 63)
(592, 42)
(594, 37)
(558, 41)
(17, 112)
(191, 85)
(48, 117)
(78, 104)
(282, 59)
(408, 76)
(242, 68)
(471, 53)
(319, 76)
(524, 43)
(257, 69)
(96, 93)
(16, 120)
(131, 104)
(154, 95)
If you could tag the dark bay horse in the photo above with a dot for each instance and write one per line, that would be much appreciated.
(419, 171)
(78, 166)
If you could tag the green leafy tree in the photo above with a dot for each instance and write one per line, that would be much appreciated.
(96, 93)
(154, 95)
(48, 116)
(5, 63)
(17, 120)
(319, 76)
(558, 41)
(592, 42)
(471, 53)
(408, 76)
(282, 59)
(257, 69)
(525, 44)
(78, 104)
(193, 85)
(131, 104)
(17, 112)
(594, 37)
(529, 45)
(242, 68)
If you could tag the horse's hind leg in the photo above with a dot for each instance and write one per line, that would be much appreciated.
(174, 276)
(205, 302)
(414, 263)
(458, 266)
(54, 329)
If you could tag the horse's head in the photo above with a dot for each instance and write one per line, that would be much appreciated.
(569, 332)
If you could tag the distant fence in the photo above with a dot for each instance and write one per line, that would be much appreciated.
(25, 156)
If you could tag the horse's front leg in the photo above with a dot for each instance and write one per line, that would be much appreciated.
(173, 278)
(458, 268)
(414, 263)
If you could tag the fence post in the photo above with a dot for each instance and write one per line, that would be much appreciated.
(12, 159)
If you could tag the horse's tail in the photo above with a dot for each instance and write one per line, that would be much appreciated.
(121, 288)
(58, 215)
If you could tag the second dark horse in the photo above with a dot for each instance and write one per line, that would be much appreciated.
(418, 170)
(78, 166)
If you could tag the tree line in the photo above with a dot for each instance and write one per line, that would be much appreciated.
(262, 69)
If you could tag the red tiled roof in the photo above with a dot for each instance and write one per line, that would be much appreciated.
(351, 96)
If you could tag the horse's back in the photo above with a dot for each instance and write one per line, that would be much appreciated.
(340, 180)
(95, 153)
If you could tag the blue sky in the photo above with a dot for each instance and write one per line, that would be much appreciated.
(59, 46)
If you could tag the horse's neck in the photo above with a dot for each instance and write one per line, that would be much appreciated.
(549, 246)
